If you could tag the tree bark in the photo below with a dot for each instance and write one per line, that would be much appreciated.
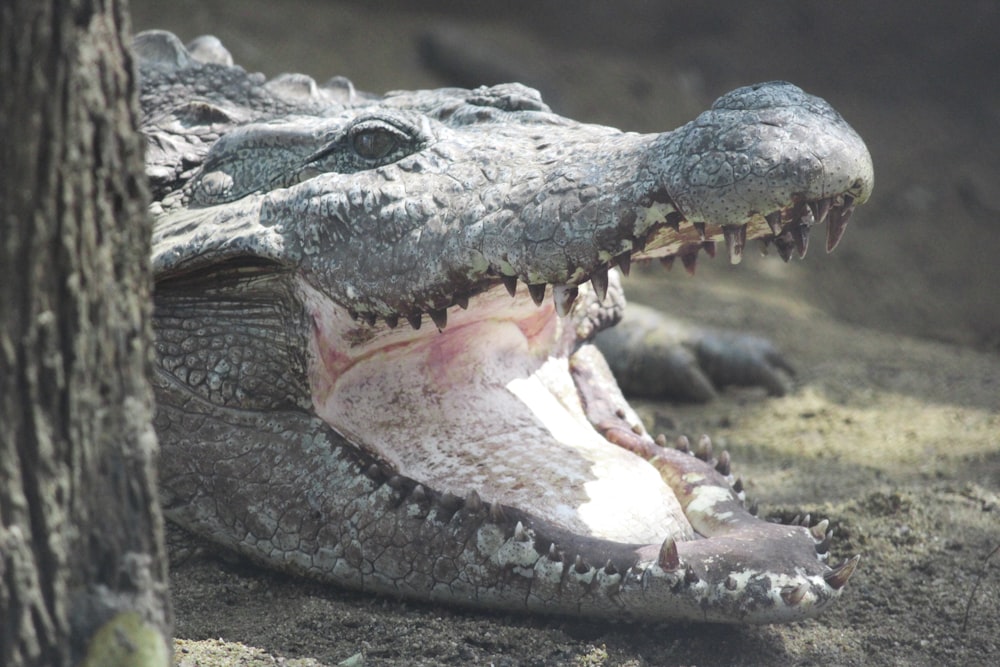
(82, 560)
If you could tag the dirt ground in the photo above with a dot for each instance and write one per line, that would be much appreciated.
(893, 429)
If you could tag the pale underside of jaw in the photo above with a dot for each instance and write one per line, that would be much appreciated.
(489, 405)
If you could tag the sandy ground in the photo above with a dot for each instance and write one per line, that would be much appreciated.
(893, 428)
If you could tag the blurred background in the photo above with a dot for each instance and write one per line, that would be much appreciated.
(917, 80)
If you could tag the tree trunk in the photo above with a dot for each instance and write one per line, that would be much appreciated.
(82, 562)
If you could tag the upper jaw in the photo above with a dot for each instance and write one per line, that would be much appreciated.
(655, 228)
(436, 228)
(653, 196)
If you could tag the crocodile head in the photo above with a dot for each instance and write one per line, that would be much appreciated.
(311, 419)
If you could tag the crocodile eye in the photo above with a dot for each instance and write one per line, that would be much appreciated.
(369, 143)
(374, 143)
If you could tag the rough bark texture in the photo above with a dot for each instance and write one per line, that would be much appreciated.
(82, 565)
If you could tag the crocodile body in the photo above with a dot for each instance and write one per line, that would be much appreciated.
(313, 419)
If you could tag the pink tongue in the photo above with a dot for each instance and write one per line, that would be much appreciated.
(479, 407)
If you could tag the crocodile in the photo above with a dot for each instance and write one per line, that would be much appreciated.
(313, 420)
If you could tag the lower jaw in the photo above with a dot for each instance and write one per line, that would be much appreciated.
(497, 412)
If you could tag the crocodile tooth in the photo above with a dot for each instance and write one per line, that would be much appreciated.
(496, 512)
(704, 449)
(730, 583)
(638, 245)
(554, 555)
(683, 444)
(736, 238)
(462, 301)
(765, 246)
(669, 558)
(819, 530)
(391, 320)
(564, 297)
(709, 248)
(599, 279)
(473, 503)
(580, 565)
(823, 546)
(369, 319)
(806, 520)
(837, 578)
(418, 494)
(520, 534)
(537, 292)
(690, 576)
(837, 223)
(660, 440)
(668, 261)
(753, 508)
(723, 464)
(414, 319)
(353, 314)
(792, 595)
(774, 222)
(690, 261)
(440, 318)
(624, 262)
(510, 282)
(738, 486)
(800, 234)
(700, 226)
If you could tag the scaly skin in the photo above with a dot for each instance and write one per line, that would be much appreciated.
(309, 420)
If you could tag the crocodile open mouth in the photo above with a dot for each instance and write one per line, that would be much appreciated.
(489, 405)
(503, 407)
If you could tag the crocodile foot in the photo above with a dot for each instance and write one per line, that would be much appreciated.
(655, 356)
